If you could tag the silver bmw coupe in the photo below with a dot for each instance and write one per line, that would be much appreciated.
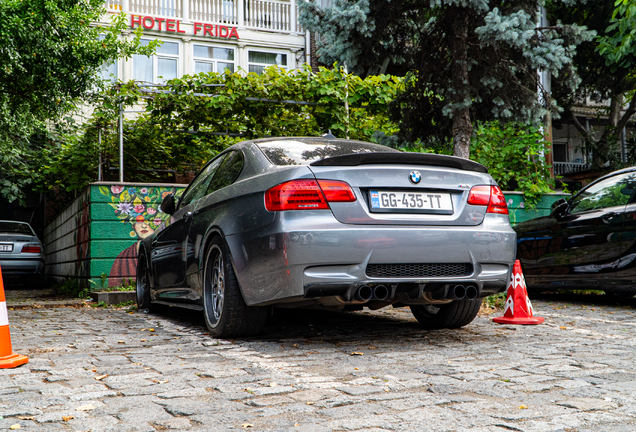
(331, 223)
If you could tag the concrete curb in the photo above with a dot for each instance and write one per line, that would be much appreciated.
(38, 304)
(113, 297)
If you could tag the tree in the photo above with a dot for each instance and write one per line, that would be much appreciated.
(185, 123)
(607, 67)
(50, 57)
(466, 60)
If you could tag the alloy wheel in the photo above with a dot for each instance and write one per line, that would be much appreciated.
(215, 286)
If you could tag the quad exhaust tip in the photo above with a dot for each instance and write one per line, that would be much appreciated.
(471, 292)
(381, 292)
(461, 292)
(366, 293)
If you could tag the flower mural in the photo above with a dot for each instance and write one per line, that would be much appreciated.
(140, 207)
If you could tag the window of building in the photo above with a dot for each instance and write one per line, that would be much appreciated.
(213, 59)
(109, 71)
(560, 152)
(159, 68)
(258, 61)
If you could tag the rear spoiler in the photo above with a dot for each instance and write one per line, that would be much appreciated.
(402, 158)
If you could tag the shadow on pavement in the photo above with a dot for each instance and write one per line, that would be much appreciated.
(347, 330)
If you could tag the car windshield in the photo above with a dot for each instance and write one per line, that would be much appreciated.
(297, 152)
(15, 228)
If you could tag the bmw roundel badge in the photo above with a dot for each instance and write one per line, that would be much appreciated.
(415, 177)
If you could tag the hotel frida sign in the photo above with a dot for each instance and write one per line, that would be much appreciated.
(174, 26)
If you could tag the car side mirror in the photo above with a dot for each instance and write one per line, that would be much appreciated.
(168, 204)
(559, 207)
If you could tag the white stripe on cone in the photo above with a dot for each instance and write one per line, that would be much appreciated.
(4, 317)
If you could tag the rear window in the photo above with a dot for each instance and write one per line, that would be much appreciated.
(297, 152)
(15, 228)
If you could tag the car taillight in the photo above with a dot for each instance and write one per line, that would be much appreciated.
(307, 195)
(31, 249)
(490, 196)
(337, 191)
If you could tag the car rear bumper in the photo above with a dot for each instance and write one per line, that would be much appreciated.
(303, 255)
(16, 268)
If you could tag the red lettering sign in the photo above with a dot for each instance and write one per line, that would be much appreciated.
(152, 23)
(135, 19)
(160, 20)
(174, 26)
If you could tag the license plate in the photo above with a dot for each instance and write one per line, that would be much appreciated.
(6, 248)
(411, 202)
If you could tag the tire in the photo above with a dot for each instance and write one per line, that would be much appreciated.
(225, 311)
(451, 316)
(143, 284)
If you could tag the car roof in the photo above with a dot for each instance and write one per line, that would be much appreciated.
(14, 221)
(613, 173)
(319, 139)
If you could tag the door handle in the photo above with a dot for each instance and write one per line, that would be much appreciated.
(187, 216)
(609, 215)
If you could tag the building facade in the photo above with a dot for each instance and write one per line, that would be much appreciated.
(210, 36)
(570, 154)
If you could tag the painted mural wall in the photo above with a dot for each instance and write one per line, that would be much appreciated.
(518, 212)
(97, 237)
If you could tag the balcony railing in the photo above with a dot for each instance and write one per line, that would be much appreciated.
(562, 168)
(272, 15)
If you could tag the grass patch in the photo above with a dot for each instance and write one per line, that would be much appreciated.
(495, 301)
(101, 284)
(586, 292)
(71, 288)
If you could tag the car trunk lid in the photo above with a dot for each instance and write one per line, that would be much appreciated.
(11, 244)
(405, 189)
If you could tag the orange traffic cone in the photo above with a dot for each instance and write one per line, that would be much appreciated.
(8, 359)
(518, 309)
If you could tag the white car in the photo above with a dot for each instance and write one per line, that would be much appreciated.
(21, 254)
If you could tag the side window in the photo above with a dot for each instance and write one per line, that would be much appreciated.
(612, 192)
(228, 172)
(200, 183)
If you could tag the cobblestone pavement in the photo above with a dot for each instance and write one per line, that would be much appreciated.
(121, 370)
